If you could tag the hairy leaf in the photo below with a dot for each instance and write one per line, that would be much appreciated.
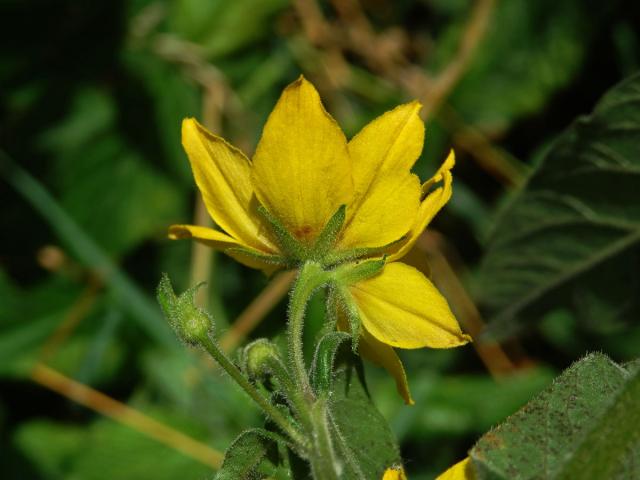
(572, 234)
(583, 426)
(362, 436)
(247, 456)
(322, 366)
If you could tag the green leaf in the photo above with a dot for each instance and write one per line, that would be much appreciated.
(583, 426)
(571, 236)
(173, 96)
(106, 450)
(221, 28)
(114, 194)
(362, 437)
(247, 456)
(113, 451)
(322, 367)
(28, 318)
(49, 446)
(530, 51)
(84, 247)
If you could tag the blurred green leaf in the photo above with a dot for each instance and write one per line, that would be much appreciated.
(127, 293)
(583, 426)
(572, 234)
(457, 405)
(222, 28)
(50, 446)
(28, 318)
(107, 450)
(113, 194)
(172, 96)
(531, 50)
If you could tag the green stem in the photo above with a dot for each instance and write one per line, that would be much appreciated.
(312, 410)
(322, 456)
(260, 399)
(297, 400)
(310, 277)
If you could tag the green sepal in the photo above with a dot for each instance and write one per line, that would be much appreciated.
(351, 273)
(331, 306)
(348, 305)
(287, 242)
(336, 258)
(270, 259)
(254, 454)
(321, 374)
(190, 322)
(327, 239)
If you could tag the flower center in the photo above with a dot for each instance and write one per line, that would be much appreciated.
(304, 233)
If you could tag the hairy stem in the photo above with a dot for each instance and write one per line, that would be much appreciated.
(324, 463)
(311, 276)
(233, 371)
(312, 410)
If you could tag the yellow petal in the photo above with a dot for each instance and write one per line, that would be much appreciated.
(301, 170)
(379, 353)
(394, 473)
(462, 470)
(222, 174)
(386, 192)
(402, 308)
(431, 204)
(221, 241)
(384, 356)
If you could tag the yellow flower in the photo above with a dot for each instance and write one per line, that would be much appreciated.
(462, 470)
(303, 174)
(394, 473)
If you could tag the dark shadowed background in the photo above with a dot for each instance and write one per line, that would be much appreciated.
(92, 383)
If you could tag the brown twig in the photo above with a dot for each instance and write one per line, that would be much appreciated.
(201, 257)
(439, 88)
(78, 311)
(121, 413)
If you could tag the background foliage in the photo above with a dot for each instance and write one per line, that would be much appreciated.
(92, 172)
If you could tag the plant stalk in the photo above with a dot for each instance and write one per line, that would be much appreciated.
(324, 463)
(260, 399)
(322, 458)
(310, 277)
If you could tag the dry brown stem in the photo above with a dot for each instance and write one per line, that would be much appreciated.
(121, 413)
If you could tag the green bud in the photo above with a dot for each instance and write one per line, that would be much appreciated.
(190, 322)
(260, 357)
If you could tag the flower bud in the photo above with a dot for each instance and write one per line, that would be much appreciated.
(190, 322)
(260, 357)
